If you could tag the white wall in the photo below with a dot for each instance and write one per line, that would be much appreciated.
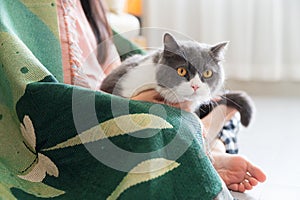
(264, 35)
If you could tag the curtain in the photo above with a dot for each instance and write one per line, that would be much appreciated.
(264, 35)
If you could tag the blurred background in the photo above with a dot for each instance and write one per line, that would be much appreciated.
(264, 37)
(263, 59)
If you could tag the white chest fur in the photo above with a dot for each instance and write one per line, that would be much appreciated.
(139, 79)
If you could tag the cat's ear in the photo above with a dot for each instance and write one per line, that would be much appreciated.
(170, 44)
(218, 50)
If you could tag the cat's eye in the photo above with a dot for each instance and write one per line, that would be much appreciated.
(207, 73)
(181, 71)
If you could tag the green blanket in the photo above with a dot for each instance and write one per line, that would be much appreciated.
(65, 142)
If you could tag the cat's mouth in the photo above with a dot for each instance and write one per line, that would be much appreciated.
(175, 96)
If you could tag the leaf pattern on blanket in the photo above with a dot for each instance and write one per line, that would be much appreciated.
(17, 157)
(156, 167)
(117, 126)
(42, 164)
(10, 180)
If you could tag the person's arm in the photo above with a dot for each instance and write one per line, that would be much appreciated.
(213, 124)
(154, 97)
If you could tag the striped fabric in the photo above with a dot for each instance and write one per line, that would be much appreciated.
(228, 135)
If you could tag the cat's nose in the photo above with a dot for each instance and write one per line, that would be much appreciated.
(195, 87)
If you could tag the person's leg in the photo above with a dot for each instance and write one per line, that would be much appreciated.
(237, 172)
(214, 123)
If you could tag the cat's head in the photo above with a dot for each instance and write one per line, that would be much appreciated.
(188, 70)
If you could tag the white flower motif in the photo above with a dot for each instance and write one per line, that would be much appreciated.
(42, 164)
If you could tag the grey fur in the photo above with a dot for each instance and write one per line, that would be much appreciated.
(109, 84)
(242, 102)
(194, 56)
(239, 100)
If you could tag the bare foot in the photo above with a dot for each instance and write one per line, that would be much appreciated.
(237, 172)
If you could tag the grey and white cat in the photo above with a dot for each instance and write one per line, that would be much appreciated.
(181, 71)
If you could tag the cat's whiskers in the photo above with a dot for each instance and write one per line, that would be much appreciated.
(227, 99)
(169, 95)
(202, 110)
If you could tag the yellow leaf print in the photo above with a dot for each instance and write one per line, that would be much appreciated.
(117, 126)
(156, 167)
